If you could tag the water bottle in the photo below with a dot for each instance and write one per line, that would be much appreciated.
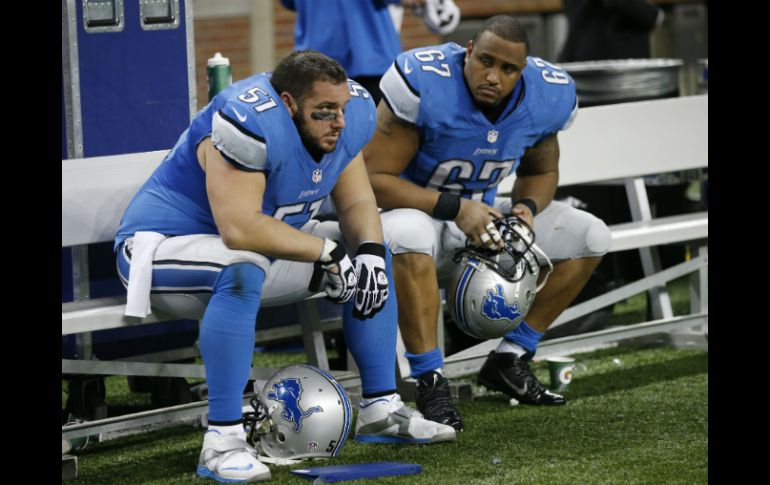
(219, 74)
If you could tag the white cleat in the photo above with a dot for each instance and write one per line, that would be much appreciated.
(388, 420)
(230, 459)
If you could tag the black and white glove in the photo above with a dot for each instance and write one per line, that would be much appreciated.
(372, 288)
(334, 273)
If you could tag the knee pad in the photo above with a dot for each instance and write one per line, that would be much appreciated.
(410, 231)
(564, 232)
(241, 280)
(598, 238)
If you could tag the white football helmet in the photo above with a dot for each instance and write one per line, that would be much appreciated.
(489, 293)
(302, 412)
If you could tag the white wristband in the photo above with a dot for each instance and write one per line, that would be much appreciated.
(329, 246)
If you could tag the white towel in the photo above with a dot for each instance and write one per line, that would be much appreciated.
(140, 278)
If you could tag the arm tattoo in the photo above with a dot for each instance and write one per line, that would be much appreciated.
(387, 122)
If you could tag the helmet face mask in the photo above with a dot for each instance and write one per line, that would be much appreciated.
(302, 412)
(490, 293)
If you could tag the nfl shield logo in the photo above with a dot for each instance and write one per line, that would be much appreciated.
(317, 175)
(492, 136)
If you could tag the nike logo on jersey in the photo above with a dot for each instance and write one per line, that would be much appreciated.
(241, 118)
(407, 69)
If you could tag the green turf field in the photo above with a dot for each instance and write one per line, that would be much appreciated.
(635, 415)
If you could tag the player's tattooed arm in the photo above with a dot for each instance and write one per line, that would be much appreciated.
(389, 124)
(394, 144)
(538, 175)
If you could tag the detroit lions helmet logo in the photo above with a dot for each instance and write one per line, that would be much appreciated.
(288, 392)
(495, 307)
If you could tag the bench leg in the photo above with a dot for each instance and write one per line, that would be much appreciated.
(312, 335)
(351, 362)
(639, 204)
(659, 298)
(401, 361)
(440, 326)
(81, 290)
(699, 285)
(69, 467)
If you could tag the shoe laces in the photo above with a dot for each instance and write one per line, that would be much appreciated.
(435, 396)
(521, 370)
(392, 405)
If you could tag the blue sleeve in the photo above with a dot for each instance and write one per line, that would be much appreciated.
(555, 101)
(360, 118)
(563, 110)
(409, 67)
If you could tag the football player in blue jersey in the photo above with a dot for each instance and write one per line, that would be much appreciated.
(452, 124)
(363, 35)
(225, 224)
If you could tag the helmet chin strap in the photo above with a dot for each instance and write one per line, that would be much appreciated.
(257, 422)
(261, 456)
(542, 254)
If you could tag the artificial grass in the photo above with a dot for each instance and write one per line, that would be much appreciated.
(633, 416)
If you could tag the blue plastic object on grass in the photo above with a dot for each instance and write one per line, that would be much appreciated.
(339, 473)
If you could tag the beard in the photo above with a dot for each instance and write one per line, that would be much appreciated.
(311, 143)
(489, 103)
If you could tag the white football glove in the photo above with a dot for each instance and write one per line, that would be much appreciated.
(372, 291)
(440, 16)
(334, 273)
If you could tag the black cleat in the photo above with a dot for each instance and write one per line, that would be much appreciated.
(434, 400)
(511, 375)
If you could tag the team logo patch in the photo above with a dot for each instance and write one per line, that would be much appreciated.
(495, 307)
(492, 136)
(317, 175)
(288, 392)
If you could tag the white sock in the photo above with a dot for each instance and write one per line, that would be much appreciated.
(233, 430)
(508, 347)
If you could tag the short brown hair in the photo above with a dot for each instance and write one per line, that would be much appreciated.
(297, 72)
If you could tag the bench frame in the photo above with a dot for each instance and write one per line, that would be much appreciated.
(617, 142)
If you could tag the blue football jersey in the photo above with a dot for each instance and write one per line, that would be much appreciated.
(360, 35)
(252, 128)
(461, 151)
